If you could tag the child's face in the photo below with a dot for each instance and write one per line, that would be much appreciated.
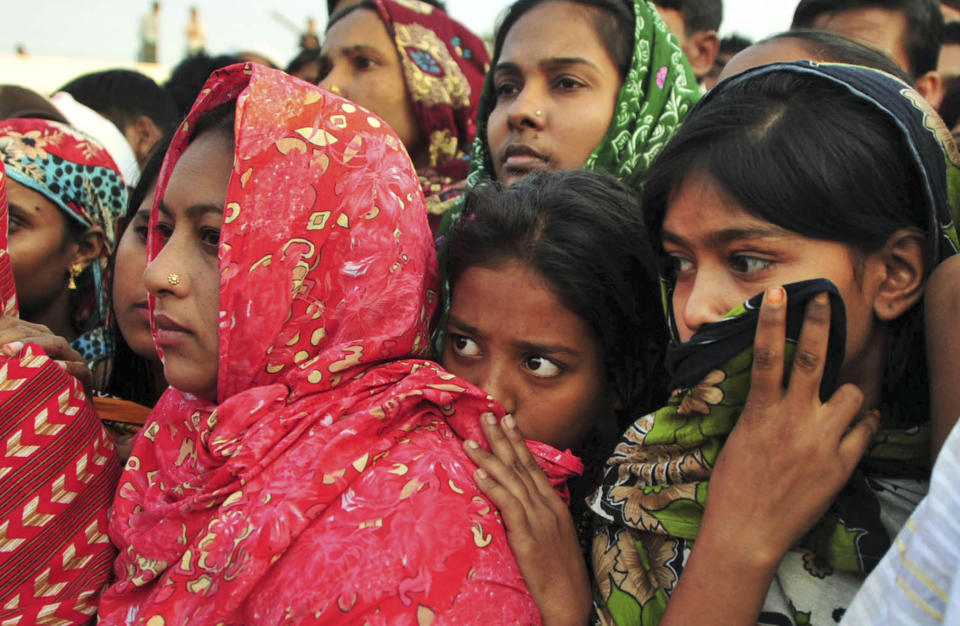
(722, 255)
(509, 335)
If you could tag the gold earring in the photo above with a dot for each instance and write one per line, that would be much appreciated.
(335, 89)
(173, 279)
(75, 270)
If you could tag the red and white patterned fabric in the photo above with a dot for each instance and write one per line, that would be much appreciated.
(328, 484)
(58, 470)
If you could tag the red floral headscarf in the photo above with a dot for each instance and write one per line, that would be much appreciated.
(444, 66)
(328, 484)
(58, 470)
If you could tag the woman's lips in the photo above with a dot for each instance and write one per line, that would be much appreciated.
(142, 310)
(519, 160)
(169, 332)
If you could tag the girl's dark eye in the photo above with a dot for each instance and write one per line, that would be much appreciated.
(748, 264)
(542, 367)
(362, 63)
(163, 231)
(505, 89)
(464, 346)
(566, 82)
(141, 233)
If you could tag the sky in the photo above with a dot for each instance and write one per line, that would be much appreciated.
(107, 29)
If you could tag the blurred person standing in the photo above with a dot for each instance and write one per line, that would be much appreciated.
(150, 34)
(695, 24)
(908, 31)
(310, 40)
(196, 35)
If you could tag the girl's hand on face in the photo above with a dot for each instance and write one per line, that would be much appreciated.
(15, 333)
(777, 473)
(539, 526)
(789, 454)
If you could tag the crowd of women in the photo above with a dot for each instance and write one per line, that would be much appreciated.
(545, 335)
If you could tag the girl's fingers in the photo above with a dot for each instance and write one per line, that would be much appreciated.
(511, 508)
(842, 407)
(766, 377)
(811, 352)
(497, 469)
(526, 464)
(855, 443)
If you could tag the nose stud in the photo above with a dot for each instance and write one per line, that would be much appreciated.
(335, 89)
(538, 113)
(173, 279)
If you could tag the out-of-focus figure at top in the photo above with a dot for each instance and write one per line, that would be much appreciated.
(150, 34)
(195, 33)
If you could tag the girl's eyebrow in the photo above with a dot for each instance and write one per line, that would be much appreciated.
(730, 234)
(194, 212)
(545, 348)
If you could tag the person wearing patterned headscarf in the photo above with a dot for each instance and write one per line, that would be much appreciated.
(307, 463)
(58, 470)
(843, 224)
(66, 194)
(422, 71)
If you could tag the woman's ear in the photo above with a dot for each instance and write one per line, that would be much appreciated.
(902, 274)
(90, 247)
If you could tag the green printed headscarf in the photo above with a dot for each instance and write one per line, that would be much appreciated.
(655, 485)
(657, 93)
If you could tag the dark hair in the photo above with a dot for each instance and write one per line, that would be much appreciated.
(922, 36)
(697, 15)
(332, 4)
(732, 44)
(953, 4)
(303, 58)
(347, 10)
(130, 376)
(614, 24)
(834, 48)
(189, 76)
(780, 144)
(122, 96)
(951, 34)
(582, 232)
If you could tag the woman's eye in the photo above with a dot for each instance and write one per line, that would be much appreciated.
(568, 83)
(14, 223)
(743, 264)
(464, 346)
(678, 264)
(163, 231)
(210, 237)
(505, 89)
(541, 366)
(141, 232)
(362, 63)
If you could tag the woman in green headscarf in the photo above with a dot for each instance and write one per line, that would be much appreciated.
(765, 190)
(593, 84)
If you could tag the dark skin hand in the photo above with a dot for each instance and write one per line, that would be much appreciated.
(818, 446)
(539, 526)
(15, 333)
(941, 309)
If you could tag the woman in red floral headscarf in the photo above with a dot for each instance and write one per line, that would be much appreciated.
(58, 469)
(307, 466)
(420, 70)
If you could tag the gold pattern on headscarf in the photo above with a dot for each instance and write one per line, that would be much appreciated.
(450, 87)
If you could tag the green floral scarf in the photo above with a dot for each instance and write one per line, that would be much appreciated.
(655, 484)
(658, 92)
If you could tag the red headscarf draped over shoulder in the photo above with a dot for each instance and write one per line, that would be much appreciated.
(328, 484)
(444, 66)
(58, 469)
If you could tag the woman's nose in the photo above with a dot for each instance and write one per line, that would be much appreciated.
(335, 82)
(164, 274)
(496, 381)
(528, 109)
(706, 301)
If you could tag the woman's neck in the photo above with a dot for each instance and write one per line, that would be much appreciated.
(55, 316)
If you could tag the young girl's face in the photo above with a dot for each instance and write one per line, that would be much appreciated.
(129, 292)
(509, 335)
(722, 255)
(556, 87)
(184, 276)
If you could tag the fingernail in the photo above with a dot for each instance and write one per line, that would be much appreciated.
(510, 422)
(480, 474)
(13, 348)
(821, 298)
(470, 443)
(490, 418)
(775, 296)
(8, 350)
(62, 365)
